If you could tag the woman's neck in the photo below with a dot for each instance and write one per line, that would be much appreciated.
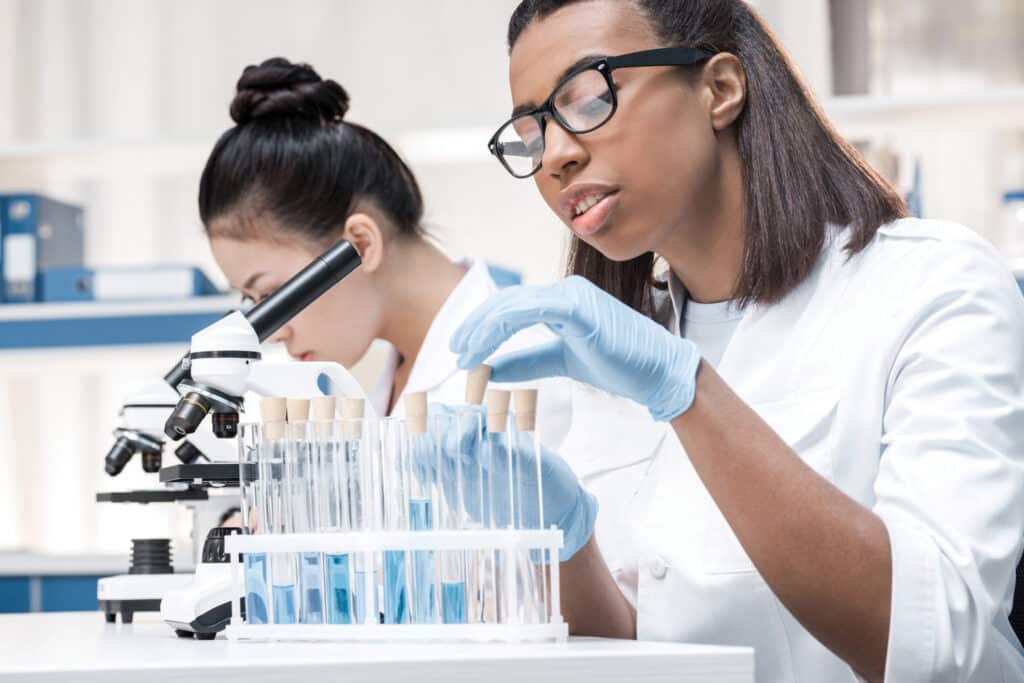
(420, 279)
(707, 254)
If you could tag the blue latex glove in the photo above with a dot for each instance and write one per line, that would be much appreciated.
(488, 481)
(602, 342)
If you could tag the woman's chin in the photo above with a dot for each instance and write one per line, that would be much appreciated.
(616, 249)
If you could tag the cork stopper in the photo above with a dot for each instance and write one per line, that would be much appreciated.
(298, 409)
(525, 403)
(323, 408)
(323, 413)
(476, 384)
(497, 410)
(273, 411)
(353, 410)
(416, 412)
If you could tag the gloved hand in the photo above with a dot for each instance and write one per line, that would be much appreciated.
(602, 342)
(489, 471)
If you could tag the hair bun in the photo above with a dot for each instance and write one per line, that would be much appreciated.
(279, 88)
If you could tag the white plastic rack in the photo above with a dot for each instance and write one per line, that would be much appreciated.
(509, 543)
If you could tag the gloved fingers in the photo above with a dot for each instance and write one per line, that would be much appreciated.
(500, 323)
(458, 432)
(457, 344)
(546, 360)
(423, 459)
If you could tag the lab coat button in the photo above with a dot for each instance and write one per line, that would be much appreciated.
(658, 568)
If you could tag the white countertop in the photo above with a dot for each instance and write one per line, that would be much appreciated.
(81, 647)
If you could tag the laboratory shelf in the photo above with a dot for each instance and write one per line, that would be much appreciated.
(91, 324)
(993, 109)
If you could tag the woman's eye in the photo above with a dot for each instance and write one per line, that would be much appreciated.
(249, 301)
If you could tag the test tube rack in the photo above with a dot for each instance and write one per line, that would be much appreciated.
(511, 542)
(377, 566)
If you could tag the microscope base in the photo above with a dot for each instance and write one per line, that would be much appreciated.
(126, 594)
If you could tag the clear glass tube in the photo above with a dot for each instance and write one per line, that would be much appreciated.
(394, 456)
(301, 476)
(251, 488)
(362, 510)
(330, 446)
(501, 498)
(529, 514)
(278, 519)
(422, 517)
(451, 515)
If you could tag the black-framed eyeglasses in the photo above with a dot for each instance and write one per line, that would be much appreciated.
(583, 101)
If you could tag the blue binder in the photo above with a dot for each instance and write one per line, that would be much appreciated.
(37, 233)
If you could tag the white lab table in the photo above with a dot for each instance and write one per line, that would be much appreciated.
(80, 647)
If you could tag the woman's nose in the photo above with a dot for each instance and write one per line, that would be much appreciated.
(562, 150)
(281, 336)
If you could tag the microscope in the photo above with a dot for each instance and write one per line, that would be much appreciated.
(222, 365)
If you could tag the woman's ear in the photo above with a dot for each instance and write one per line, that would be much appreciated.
(726, 82)
(366, 236)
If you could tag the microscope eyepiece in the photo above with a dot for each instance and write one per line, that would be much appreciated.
(187, 415)
(119, 455)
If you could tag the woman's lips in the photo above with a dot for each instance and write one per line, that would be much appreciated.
(593, 219)
(307, 356)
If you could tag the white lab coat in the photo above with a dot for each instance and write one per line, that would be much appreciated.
(436, 372)
(896, 374)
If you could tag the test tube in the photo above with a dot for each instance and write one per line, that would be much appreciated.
(277, 514)
(420, 464)
(300, 472)
(531, 565)
(395, 500)
(358, 507)
(501, 499)
(451, 515)
(480, 570)
(251, 486)
(328, 455)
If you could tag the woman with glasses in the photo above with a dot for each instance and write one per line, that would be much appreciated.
(291, 178)
(807, 436)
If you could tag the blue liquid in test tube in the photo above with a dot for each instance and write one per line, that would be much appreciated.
(424, 604)
(255, 588)
(284, 605)
(312, 589)
(339, 593)
(396, 608)
(453, 602)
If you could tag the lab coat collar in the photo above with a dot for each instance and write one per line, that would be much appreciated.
(771, 326)
(435, 363)
(785, 329)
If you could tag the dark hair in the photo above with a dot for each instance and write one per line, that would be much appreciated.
(292, 157)
(799, 175)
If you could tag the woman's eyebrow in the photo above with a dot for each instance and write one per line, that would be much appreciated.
(584, 60)
(251, 281)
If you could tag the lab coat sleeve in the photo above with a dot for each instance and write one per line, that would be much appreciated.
(950, 486)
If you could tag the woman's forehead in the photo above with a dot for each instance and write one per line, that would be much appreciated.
(550, 46)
